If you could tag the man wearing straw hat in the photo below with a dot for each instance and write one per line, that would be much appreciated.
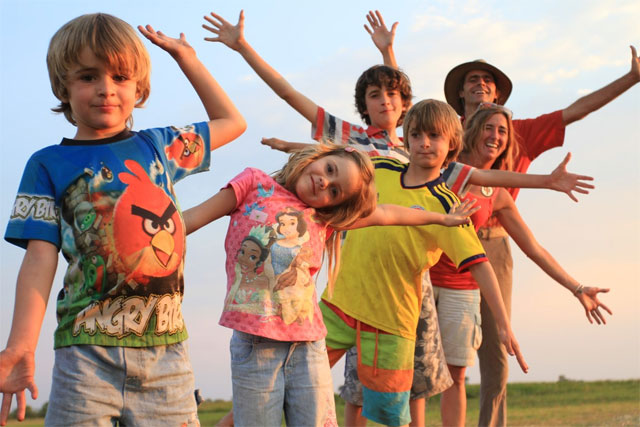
(466, 87)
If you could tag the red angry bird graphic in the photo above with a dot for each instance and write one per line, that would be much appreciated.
(187, 150)
(147, 228)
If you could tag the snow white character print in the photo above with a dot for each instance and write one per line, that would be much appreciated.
(291, 228)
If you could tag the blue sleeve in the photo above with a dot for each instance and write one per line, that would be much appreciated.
(185, 150)
(35, 214)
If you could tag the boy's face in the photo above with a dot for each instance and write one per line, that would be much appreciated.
(428, 150)
(101, 99)
(384, 107)
(479, 86)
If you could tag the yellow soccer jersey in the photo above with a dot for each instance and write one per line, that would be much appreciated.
(380, 279)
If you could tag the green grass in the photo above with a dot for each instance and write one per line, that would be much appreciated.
(564, 403)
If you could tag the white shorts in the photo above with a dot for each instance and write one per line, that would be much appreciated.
(460, 324)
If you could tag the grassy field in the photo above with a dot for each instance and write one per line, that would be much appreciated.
(564, 403)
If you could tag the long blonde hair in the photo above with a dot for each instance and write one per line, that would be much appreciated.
(359, 205)
(112, 41)
(473, 131)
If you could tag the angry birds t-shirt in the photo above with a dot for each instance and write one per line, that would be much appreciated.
(110, 206)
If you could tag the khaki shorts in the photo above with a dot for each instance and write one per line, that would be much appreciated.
(460, 324)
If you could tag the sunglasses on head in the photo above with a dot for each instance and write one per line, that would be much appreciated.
(489, 105)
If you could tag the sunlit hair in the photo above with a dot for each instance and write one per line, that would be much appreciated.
(382, 75)
(473, 135)
(430, 115)
(112, 41)
(360, 204)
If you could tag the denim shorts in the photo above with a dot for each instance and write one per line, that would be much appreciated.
(270, 377)
(107, 386)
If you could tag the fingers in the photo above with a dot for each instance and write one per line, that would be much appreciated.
(6, 408)
(514, 350)
(22, 405)
(379, 16)
(634, 54)
(33, 389)
(520, 357)
(366, 27)
(566, 159)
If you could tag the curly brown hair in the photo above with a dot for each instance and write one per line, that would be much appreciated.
(383, 75)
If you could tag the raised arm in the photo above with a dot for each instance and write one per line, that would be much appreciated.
(17, 360)
(225, 121)
(215, 207)
(484, 275)
(399, 215)
(559, 180)
(595, 100)
(233, 37)
(506, 211)
(382, 37)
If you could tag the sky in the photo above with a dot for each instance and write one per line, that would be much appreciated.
(554, 52)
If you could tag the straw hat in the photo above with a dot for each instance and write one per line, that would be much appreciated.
(455, 78)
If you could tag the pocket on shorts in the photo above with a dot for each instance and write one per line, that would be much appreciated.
(241, 348)
(318, 347)
(477, 332)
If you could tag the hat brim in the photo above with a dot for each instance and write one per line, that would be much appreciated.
(455, 78)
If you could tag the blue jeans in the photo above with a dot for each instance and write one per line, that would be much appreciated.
(270, 377)
(105, 386)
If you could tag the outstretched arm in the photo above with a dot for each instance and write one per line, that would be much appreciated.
(511, 220)
(233, 37)
(215, 207)
(382, 37)
(595, 100)
(17, 360)
(285, 146)
(399, 215)
(484, 275)
(225, 121)
(560, 179)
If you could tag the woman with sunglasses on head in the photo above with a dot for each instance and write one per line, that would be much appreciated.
(489, 144)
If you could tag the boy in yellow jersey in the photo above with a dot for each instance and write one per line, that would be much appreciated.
(376, 301)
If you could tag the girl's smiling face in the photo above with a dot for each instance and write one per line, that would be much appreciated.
(328, 181)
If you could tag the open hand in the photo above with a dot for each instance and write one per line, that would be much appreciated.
(460, 213)
(381, 36)
(275, 144)
(177, 48)
(589, 300)
(230, 35)
(16, 375)
(566, 182)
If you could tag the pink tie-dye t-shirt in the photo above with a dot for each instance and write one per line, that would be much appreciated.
(274, 248)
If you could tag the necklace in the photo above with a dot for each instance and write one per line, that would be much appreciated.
(247, 280)
(486, 191)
